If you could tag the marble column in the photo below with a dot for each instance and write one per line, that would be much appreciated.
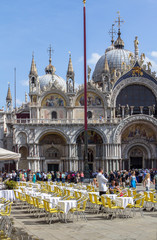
(123, 112)
(141, 109)
(132, 109)
(17, 165)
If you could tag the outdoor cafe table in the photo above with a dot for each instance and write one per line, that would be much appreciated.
(66, 205)
(8, 194)
(112, 196)
(124, 201)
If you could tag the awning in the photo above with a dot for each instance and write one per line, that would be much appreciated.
(6, 155)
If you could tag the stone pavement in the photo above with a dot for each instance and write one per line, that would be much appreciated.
(97, 227)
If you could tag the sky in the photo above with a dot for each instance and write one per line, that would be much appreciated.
(32, 25)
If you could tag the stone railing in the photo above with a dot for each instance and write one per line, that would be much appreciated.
(62, 121)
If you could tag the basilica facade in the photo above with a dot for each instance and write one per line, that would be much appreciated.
(48, 130)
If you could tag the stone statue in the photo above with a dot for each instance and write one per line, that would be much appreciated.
(89, 72)
(142, 58)
(119, 73)
(153, 109)
(124, 66)
(127, 110)
(108, 99)
(149, 65)
(70, 86)
(119, 110)
(131, 57)
(136, 43)
(26, 99)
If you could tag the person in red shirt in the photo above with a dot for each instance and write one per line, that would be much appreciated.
(82, 177)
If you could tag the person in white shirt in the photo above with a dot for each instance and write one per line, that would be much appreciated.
(102, 182)
(147, 182)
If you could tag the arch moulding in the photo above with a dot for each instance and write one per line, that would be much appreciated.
(130, 81)
(129, 121)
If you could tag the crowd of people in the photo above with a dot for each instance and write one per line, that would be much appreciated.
(116, 179)
(28, 175)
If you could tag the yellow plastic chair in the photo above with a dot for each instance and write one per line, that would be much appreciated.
(7, 210)
(92, 202)
(22, 199)
(51, 211)
(153, 198)
(40, 207)
(80, 209)
(113, 208)
(97, 202)
(140, 205)
(147, 199)
(105, 205)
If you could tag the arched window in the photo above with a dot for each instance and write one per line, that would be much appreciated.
(90, 155)
(33, 80)
(54, 115)
(89, 114)
(135, 96)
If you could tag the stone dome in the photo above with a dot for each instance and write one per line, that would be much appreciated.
(116, 55)
(115, 58)
(46, 79)
(111, 47)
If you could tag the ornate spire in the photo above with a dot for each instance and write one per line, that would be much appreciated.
(119, 42)
(33, 70)
(136, 43)
(9, 97)
(106, 66)
(50, 69)
(70, 66)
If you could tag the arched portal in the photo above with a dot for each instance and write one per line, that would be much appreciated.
(53, 151)
(138, 142)
(95, 150)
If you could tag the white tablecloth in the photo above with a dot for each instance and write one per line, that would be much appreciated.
(66, 205)
(8, 194)
(54, 201)
(112, 196)
(124, 201)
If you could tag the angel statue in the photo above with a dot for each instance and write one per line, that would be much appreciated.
(142, 57)
(131, 57)
(149, 65)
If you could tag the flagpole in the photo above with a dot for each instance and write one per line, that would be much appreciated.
(86, 166)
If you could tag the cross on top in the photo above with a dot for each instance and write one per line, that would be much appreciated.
(119, 21)
(50, 51)
(112, 32)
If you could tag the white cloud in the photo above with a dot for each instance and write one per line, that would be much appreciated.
(25, 83)
(18, 102)
(154, 54)
(94, 58)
